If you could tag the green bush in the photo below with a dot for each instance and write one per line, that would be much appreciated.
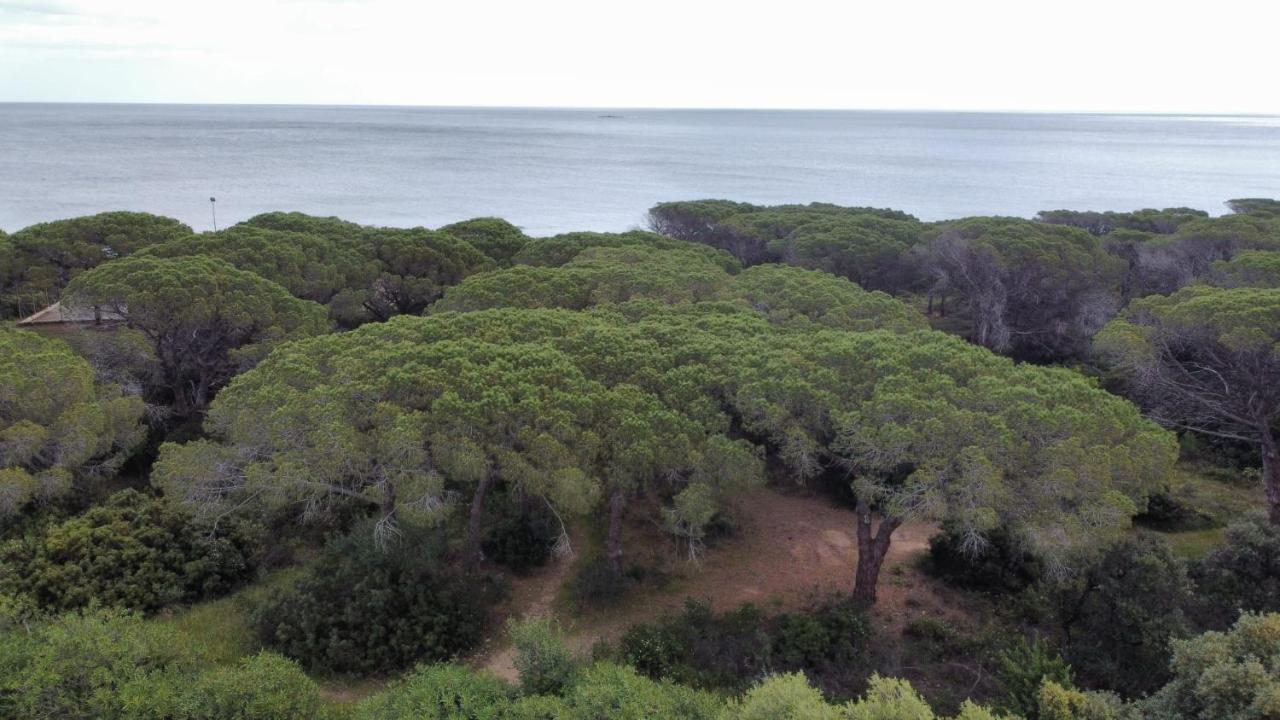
(1120, 614)
(133, 552)
(656, 650)
(1024, 668)
(113, 664)
(265, 686)
(1224, 676)
(439, 692)
(611, 692)
(731, 650)
(365, 609)
(1004, 565)
(828, 643)
(542, 657)
(86, 665)
(1243, 574)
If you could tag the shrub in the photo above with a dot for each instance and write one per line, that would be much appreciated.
(890, 698)
(1225, 676)
(363, 609)
(1024, 668)
(542, 657)
(85, 665)
(829, 643)
(265, 686)
(783, 697)
(1056, 702)
(1121, 613)
(133, 552)
(656, 650)
(1243, 574)
(1004, 565)
(523, 540)
(731, 650)
(611, 692)
(439, 692)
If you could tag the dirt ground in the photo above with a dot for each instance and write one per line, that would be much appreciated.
(790, 549)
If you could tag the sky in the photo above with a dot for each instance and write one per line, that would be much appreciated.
(1030, 55)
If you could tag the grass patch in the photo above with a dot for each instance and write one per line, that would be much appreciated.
(1204, 488)
(1221, 498)
(1195, 544)
(222, 626)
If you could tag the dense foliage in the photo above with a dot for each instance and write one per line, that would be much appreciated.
(1244, 573)
(366, 609)
(112, 666)
(495, 237)
(608, 387)
(1225, 676)
(60, 430)
(1033, 290)
(132, 552)
(205, 319)
(311, 267)
(726, 651)
(37, 262)
(1119, 616)
(1206, 359)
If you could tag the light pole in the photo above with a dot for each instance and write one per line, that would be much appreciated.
(213, 208)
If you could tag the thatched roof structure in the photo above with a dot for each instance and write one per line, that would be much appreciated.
(56, 314)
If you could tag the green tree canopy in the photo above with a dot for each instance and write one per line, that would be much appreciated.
(311, 267)
(415, 268)
(59, 430)
(38, 261)
(933, 427)
(873, 251)
(1262, 207)
(612, 275)
(1252, 268)
(1033, 290)
(1167, 263)
(596, 275)
(644, 395)
(1207, 359)
(752, 233)
(205, 319)
(792, 296)
(404, 270)
(495, 237)
(407, 415)
(560, 249)
(1224, 676)
(1148, 220)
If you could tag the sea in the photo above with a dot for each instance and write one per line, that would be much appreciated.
(556, 170)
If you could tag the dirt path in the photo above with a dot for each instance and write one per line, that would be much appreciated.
(790, 549)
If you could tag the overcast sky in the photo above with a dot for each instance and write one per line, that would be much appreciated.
(1211, 56)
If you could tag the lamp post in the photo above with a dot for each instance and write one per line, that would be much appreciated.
(213, 208)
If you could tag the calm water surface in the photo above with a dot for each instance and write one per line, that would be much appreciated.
(556, 170)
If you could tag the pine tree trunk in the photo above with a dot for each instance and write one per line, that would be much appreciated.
(872, 550)
(617, 508)
(389, 502)
(475, 554)
(1271, 474)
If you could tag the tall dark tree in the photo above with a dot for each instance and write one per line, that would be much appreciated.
(205, 320)
(1207, 359)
